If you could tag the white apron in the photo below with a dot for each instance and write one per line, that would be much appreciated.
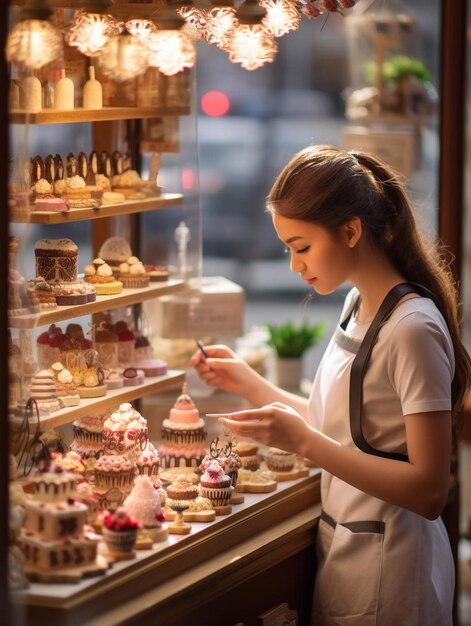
(377, 564)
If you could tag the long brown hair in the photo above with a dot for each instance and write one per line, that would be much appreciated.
(328, 186)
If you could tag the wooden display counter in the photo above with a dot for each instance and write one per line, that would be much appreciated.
(226, 572)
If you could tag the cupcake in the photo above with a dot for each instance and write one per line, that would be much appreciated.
(114, 471)
(85, 494)
(248, 453)
(120, 533)
(133, 377)
(148, 462)
(132, 274)
(216, 485)
(182, 489)
(279, 460)
(143, 504)
(125, 431)
(231, 465)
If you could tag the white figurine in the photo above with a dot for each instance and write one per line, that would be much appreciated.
(92, 91)
(64, 93)
(31, 94)
(182, 237)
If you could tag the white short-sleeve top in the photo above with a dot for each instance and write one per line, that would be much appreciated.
(410, 371)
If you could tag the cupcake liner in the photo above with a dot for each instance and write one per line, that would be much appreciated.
(119, 542)
(282, 463)
(219, 496)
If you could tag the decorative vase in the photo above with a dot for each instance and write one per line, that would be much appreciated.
(92, 91)
(64, 93)
(119, 542)
(288, 372)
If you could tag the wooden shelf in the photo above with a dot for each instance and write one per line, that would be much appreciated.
(102, 303)
(107, 210)
(106, 114)
(177, 576)
(111, 400)
(121, 10)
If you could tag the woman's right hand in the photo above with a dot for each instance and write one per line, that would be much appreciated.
(224, 369)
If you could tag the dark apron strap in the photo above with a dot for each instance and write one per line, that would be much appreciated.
(360, 365)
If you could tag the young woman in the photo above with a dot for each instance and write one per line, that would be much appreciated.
(384, 403)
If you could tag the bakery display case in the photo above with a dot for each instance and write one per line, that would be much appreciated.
(104, 238)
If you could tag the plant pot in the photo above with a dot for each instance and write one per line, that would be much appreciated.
(288, 372)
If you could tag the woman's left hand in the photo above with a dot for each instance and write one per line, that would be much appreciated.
(275, 424)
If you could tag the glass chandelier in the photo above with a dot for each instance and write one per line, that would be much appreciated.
(91, 28)
(169, 49)
(34, 41)
(250, 44)
(282, 16)
(123, 58)
(220, 23)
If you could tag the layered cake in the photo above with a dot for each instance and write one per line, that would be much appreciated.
(125, 432)
(53, 536)
(106, 344)
(43, 390)
(56, 260)
(56, 263)
(183, 434)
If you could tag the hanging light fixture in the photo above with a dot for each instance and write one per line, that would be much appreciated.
(91, 28)
(195, 20)
(123, 58)
(221, 21)
(250, 45)
(140, 28)
(34, 41)
(169, 49)
(282, 16)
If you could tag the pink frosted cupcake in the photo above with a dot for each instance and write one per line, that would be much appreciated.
(114, 471)
(148, 462)
(216, 485)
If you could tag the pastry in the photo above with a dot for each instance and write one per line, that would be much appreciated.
(53, 537)
(183, 434)
(182, 489)
(248, 453)
(115, 250)
(152, 367)
(114, 471)
(216, 485)
(56, 260)
(143, 504)
(279, 460)
(43, 390)
(125, 432)
(133, 274)
(148, 462)
(106, 344)
(125, 344)
(133, 377)
(157, 273)
(100, 275)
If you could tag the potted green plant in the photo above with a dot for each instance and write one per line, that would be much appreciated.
(290, 342)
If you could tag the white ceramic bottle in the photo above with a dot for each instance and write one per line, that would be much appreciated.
(31, 94)
(92, 91)
(64, 93)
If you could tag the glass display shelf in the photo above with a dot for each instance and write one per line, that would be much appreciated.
(108, 210)
(101, 304)
(106, 114)
(111, 400)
